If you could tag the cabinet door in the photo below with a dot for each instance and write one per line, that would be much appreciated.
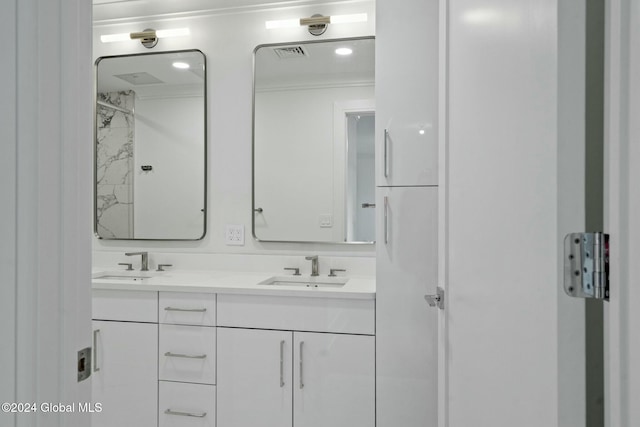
(125, 376)
(406, 92)
(406, 327)
(334, 380)
(254, 378)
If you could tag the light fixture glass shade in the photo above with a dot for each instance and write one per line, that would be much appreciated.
(108, 38)
(283, 23)
(347, 19)
(175, 32)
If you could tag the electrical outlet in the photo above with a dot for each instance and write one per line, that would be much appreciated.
(326, 221)
(234, 235)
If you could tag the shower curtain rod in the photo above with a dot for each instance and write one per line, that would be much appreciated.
(106, 104)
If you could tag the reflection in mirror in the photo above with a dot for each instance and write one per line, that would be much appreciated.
(313, 142)
(150, 156)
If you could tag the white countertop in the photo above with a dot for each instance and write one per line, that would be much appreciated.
(228, 282)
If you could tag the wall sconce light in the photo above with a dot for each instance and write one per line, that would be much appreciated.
(149, 37)
(317, 23)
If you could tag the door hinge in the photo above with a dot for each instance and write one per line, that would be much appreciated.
(586, 265)
(436, 300)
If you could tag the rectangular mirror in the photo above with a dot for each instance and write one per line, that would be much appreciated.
(313, 141)
(150, 152)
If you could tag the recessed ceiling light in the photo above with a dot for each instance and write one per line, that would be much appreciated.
(181, 65)
(343, 51)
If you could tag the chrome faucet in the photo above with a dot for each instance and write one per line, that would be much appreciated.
(314, 265)
(145, 259)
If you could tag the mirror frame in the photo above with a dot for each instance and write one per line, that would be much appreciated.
(253, 142)
(95, 146)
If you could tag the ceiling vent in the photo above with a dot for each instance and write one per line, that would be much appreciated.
(290, 52)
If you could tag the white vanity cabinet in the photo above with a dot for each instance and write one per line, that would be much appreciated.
(187, 360)
(300, 379)
(292, 377)
(125, 362)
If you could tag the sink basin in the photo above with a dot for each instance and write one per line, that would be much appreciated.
(122, 277)
(306, 281)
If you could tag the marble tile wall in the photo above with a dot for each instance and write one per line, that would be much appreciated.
(114, 165)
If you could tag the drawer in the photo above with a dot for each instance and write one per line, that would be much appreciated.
(128, 306)
(187, 353)
(347, 316)
(181, 308)
(183, 404)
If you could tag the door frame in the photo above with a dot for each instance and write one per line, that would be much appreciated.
(340, 158)
(621, 211)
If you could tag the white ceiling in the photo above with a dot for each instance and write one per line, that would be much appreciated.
(159, 66)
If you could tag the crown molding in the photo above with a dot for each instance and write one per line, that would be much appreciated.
(112, 12)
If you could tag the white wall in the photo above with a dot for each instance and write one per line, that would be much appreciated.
(296, 168)
(227, 36)
(169, 199)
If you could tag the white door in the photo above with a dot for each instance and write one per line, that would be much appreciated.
(514, 186)
(513, 342)
(334, 380)
(254, 384)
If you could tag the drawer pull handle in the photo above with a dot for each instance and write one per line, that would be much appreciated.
(186, 356)
(301, 366)
(191, 310)
(185, 414)
(281, 363)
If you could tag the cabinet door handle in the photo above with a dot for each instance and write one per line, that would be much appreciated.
(185, 414)
(386, 153)
(186, 356)
(95, 350)
(191, 310)
(301, 365)
(386, 220)
(282, 363)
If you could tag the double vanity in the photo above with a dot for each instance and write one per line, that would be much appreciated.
(219, 348)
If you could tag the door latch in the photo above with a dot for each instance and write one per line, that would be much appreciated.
(586, 265)
(436, 300)
(84, 364)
